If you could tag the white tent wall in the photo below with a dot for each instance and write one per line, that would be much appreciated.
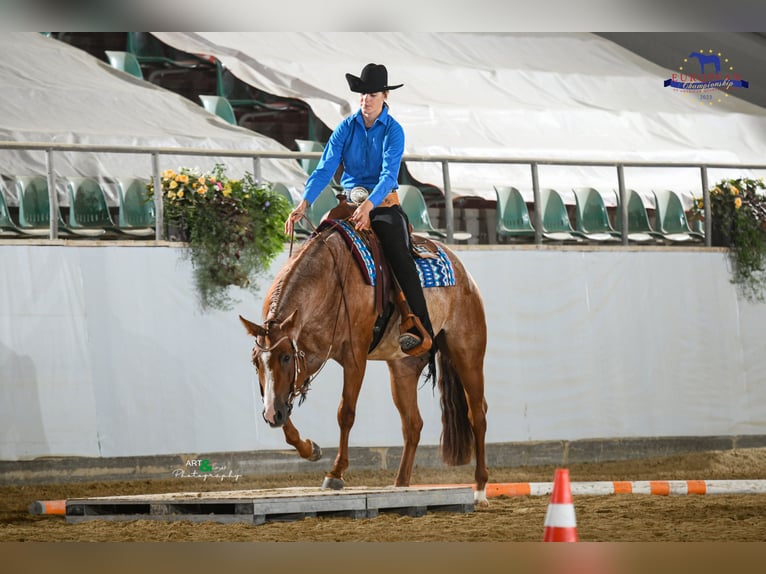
(511, 95)
(104, 352)
(55, 93)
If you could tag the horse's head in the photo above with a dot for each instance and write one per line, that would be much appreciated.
(280, 366)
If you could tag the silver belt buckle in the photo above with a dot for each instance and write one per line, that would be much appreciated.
(358, 195)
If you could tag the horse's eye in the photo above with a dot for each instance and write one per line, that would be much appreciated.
(285, 359)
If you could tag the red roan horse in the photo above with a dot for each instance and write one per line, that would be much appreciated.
(320, 307)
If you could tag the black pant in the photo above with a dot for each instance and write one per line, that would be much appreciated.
(391, 226)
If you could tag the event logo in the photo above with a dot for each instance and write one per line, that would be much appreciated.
(204, 470)
(706, 76)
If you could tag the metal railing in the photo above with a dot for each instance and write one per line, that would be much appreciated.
(445, 160)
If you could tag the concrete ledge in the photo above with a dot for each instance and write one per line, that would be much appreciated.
(83, 469)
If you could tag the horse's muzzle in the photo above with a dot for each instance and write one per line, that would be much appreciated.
(281, 414)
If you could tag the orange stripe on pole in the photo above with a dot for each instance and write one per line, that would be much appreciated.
(48, 507)
(696, 487)
(509, 489)
(660, 487)
(623, 487)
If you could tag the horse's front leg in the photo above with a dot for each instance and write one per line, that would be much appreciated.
(352, 384)
(308, 449)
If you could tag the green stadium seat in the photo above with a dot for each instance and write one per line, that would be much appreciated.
(556, 223)
(88, 212)
(592, 219)
(322, 204)
(137, 214)
(512, 214)
(125, 62)
(7, 227)
(639, 228)
(34, 206)
(219, 106)
(670, 218)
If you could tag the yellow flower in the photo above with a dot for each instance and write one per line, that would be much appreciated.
(173, 185)
(716, 190)
(172, 194)
(733, 190)
(183, 178)
(201, 179)
(226, 191)
(180, 193)
(700, 203)
(201, 189)
(168, 174)
(738, 203)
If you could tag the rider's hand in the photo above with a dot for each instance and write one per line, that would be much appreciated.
(295, 216)
(361, 217)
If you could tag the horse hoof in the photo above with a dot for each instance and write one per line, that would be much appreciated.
(480, 498)
(332, 483)
(316, 452)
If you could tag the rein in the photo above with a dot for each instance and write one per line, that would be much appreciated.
(299, 355)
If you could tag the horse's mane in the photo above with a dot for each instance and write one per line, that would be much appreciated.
(285, 281)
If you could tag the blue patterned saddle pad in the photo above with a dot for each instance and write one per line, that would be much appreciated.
(434, 269)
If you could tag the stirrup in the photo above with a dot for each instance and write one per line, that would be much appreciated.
(414, 345)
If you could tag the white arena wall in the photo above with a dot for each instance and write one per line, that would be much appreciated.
(104, 353)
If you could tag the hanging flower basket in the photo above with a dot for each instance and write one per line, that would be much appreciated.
(738, 210)
(233, 228)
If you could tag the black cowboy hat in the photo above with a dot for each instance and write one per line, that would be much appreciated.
(374, 78)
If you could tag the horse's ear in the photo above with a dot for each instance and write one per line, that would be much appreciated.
(252, 328)
(287, 324)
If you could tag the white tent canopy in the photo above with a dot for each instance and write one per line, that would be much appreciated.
(56, 93)
(564, 96)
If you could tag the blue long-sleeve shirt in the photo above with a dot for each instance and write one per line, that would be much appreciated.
(371, 157)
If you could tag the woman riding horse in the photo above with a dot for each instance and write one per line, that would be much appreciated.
(370, 143)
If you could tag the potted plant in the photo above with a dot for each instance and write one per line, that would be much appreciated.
(233, 228)
(738, 211)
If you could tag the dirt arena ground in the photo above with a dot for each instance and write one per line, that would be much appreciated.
(615, 518)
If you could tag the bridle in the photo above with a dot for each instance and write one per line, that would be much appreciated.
(298, 355)
(299, 365)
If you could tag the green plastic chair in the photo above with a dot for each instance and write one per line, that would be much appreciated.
(322, 204)
(639, 228)
(219, 106)
(150, 49)
(136, 215)
(512, 215)
(282, 190)
(309, 165)
(88, 212)
(125, 62)
(670, 218)
(592, 220)
(7, 227)
(34, 206)
(414, 205)
(556, 223)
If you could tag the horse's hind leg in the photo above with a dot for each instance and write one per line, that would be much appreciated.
(467, 361)
(473, 386)
(404, 389)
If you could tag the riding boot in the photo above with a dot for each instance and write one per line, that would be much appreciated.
(392, 228)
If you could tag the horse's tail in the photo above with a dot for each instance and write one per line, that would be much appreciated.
(457, 434)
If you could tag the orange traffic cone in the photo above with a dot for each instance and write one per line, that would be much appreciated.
(560, 521)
